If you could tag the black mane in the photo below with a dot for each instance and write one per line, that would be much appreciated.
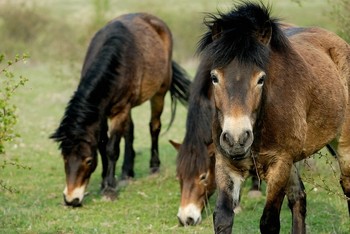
(193, 157)
(99, 76)
(237, 38)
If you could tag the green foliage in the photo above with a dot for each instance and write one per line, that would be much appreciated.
(9, 83)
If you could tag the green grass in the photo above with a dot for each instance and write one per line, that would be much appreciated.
(148, 204)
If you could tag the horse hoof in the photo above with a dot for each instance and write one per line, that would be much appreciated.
(238, 209)
(126, 177)
(154, 170)
(254, 194)
(124, 182)
(109, 194)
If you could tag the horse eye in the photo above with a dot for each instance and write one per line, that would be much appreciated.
(89, 161)
(214, 79)
(203, 176)
(261, 80)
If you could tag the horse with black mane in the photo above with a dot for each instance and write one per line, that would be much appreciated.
(128, 62)
(195, 167)
(280, 96)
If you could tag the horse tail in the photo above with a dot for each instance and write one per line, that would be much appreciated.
(179, 89)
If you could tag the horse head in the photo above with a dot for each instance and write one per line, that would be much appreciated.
(238, 74)
(80, 161)
(196, 186)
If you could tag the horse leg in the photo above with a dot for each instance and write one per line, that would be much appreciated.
(228, 189)
(118, 123)
(277, 178)
(296, 201)
(102, 145)
(157, 105)
(129, 155)
(255, 189)
(344, 158)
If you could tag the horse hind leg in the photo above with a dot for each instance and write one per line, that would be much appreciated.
(129, 154)
(344, 158)
(157, 105)
(296, 195)
(255, 189)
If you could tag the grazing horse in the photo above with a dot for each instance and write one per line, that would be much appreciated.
(280, 95)
(128, 62)
(196, 156)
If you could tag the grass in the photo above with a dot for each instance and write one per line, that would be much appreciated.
(149, 203)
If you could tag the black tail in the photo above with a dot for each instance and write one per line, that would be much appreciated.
(179, 89)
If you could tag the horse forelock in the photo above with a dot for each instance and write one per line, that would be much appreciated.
(192, 160)
(237, 38)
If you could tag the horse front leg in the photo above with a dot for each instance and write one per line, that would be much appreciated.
(102, 147)
(129, 154)
(296, 195)
(277, 177)
(110, 183)
(228, 188)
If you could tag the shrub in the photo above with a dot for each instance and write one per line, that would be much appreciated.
(9, 83)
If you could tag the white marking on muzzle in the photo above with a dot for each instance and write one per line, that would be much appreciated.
(76, 193)
(190, 211)
(235, 126)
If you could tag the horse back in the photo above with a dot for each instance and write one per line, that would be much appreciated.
(150, 63)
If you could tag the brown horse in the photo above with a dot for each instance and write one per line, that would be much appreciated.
(129, 61)
(280, 95)
(196, 156)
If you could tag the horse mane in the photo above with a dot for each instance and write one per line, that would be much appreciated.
(87, 106)
(238, 35)
(193, 155)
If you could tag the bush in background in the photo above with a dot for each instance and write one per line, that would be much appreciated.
(29, 27)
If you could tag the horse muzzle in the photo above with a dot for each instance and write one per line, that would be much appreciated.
(74, 197)
(236, 147)
(74, 203)
(189, 215)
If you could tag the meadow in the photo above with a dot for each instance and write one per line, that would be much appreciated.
(56, 34)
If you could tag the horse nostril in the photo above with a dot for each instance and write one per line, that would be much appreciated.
(75, 202)
(244, 138)
(189, 221)
(226, 137)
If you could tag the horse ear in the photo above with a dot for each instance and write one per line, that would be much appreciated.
(215, 31)
(265, 33)
(175, 144)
